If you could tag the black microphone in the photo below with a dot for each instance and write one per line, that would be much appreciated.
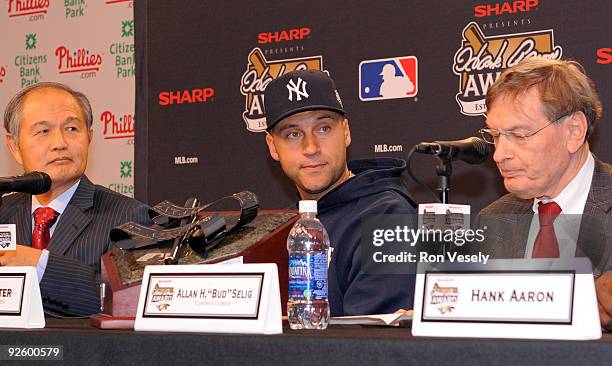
(471, 150)
(32, 183)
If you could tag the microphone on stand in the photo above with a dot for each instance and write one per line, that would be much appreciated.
(472, 150)
(33, 183)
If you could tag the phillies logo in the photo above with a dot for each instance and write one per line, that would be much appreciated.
(259, 73)
(117, 128)
(480, 60)
(2, 74)
(18, 8)
(77, 61)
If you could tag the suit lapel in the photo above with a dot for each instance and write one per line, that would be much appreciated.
(595, 226)
(22, 217)
(523, 223)
(74, 219)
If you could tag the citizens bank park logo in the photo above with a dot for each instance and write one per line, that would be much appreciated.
(125, 172)
(122, 127)
(604, 56)
(29, 63)
(480, 60)
(444, 298)
(123, 52)
(259, 73)
(74, 8)
(388, 78)
(81, 61)
(30, 9)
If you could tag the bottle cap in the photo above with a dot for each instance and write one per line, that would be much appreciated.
(308, 206)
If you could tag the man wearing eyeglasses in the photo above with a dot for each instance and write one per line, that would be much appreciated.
(541, 114)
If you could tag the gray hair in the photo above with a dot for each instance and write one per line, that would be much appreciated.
(563, 85)
(12, 113)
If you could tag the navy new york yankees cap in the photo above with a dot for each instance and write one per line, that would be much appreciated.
(299, 91)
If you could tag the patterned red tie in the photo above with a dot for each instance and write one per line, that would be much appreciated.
(546, 245)
(44, 218)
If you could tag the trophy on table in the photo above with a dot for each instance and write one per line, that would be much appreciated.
(188, 234)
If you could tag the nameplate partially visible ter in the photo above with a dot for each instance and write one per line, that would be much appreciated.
(515, 298)
(240, 298)
(20, 301)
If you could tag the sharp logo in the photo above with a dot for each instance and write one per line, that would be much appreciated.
(604, 56)
(480, 60)
(507, 7)
(199, 95)
(33, 9)
(259, 73)
(81, 61)
(284, 35)
(117, 128)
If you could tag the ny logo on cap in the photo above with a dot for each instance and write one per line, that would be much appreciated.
(299, 89)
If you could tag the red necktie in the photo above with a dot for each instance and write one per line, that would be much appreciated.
(546, 245)
(44, 218)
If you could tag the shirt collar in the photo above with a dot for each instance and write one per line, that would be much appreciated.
(573, 197)
(60, 202)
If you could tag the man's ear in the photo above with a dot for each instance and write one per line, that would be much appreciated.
(347, 132)
(271, 146)
(577, 127)
(11, 143)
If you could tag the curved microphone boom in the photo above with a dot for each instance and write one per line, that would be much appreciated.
(33, 183)
(472, 150)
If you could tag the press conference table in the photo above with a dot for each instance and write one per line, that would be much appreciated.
(338, 345)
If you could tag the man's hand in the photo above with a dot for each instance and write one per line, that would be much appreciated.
(603, 287)
(23, 256)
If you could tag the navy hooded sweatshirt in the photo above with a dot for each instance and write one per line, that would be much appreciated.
(376, 188)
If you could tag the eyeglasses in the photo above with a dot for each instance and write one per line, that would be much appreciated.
(491, 135)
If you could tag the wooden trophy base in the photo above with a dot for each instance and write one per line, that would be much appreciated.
(264, 240)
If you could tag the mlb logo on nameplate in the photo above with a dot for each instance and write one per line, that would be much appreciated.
(388, 78)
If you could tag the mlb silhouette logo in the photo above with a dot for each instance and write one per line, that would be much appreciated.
(388, 78)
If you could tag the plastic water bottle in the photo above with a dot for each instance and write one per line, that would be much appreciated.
(308, 247)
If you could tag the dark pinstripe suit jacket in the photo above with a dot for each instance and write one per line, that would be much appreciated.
(508, 220)
(70, 283)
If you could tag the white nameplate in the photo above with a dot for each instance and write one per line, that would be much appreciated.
(20, 301)
(240, 298)
(8, 237)
(513, 298)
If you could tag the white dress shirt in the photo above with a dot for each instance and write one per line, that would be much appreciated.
(571, 200)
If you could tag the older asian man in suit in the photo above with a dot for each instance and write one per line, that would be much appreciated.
(540, 115)
(64, 232)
